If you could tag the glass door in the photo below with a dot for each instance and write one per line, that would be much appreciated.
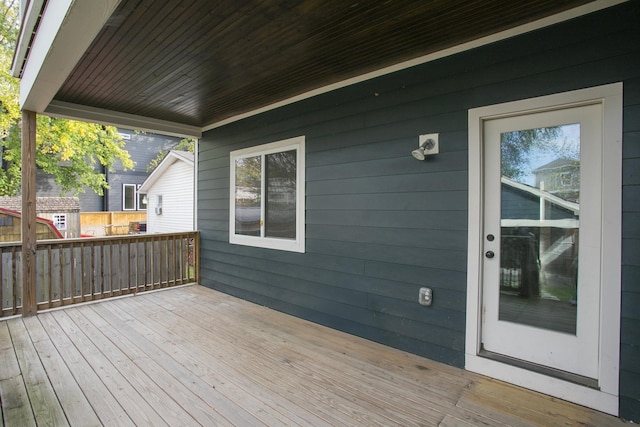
(541, 269)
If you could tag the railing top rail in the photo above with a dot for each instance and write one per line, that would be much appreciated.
(141, 237)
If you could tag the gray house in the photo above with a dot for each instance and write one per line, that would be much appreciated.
(123, 192)
(311, 200)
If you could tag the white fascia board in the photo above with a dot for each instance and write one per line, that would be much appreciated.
(29, 20)
(164, 165)
(157, 173)
(67, 28)
(503, 35)
(129, 121)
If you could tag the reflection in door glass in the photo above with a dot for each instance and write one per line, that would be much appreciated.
(540, 213)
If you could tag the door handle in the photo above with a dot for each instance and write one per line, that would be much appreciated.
(489, 254)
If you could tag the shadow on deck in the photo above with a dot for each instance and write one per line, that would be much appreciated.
(194, 356)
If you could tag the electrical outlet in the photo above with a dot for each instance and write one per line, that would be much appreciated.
(425, 297)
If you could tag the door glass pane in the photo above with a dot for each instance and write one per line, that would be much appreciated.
(280, 203)
(248, 195)
(540, 212)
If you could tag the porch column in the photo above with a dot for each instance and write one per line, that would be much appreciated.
(29, 301)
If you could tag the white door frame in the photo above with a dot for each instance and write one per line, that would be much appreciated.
(605, 398)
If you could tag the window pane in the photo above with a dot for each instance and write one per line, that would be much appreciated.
(280, 201)
(60, 221)
(540, 208)
(142, 201)
(129, 197)
(248, 184)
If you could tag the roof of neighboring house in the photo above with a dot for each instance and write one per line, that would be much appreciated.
(41, 220)
(571, 206)
(557, 163)
(44, 204)
(172, 157)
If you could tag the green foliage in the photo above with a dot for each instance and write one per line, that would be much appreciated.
(68, 150)
(186, 144)
(515, 148)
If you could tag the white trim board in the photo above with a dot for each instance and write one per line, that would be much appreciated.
(606, 397)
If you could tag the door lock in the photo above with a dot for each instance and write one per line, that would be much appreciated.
(489, 254)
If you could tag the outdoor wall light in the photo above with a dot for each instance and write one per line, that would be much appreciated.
(427, 145)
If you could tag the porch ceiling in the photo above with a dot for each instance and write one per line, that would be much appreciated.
(200, 62)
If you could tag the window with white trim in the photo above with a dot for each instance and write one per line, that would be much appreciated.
(60, 221)
(132, 199)
(267, 196)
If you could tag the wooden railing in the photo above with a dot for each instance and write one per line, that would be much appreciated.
(71, 271)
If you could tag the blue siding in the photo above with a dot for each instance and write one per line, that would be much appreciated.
(380, 224)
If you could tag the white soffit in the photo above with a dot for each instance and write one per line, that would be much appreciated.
(67, 28)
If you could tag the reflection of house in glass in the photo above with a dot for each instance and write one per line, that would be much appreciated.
(248, 211)
(560, 177)
(540, 230)
(281, 208)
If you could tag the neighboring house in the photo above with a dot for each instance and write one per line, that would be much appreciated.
(169, 192)
(11, 227)
(123, 192)
(63, 212)
(560, 177)
(331, 98)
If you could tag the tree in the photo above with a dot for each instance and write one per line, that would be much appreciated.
(515, 147)
(186, 144)
(68, 150)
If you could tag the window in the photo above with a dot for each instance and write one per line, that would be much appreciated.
(159, 204)
(60, 221)
(132, 200)
(142, 201)
(267, 196)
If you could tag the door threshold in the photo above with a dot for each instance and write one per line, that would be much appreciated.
(540, 369)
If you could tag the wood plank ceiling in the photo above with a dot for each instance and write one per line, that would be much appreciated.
(198, 62)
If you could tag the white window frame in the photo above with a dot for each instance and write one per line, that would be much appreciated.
(139, 197)
(137, 203)
(158, 209)
(124, 197)
(293, 245)
(60, 221)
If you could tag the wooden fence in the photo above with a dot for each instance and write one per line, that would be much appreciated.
(77, 270)
(109, 223)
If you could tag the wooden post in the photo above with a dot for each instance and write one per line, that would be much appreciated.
(29, 301)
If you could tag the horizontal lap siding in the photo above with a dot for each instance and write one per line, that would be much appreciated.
(176, 188)
(630, 327)
(380, 224)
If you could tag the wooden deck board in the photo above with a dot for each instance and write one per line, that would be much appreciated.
(194, 356)
(75, 405)
(44, 402)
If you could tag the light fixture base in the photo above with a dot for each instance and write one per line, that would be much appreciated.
(429, 143)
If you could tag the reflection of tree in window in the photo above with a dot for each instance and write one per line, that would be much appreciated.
(248, 190)
(280, 199)
(516, 146)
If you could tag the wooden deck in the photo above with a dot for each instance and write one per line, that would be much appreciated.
(192, 356)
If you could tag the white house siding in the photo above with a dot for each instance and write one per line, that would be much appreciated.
(176, 187)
